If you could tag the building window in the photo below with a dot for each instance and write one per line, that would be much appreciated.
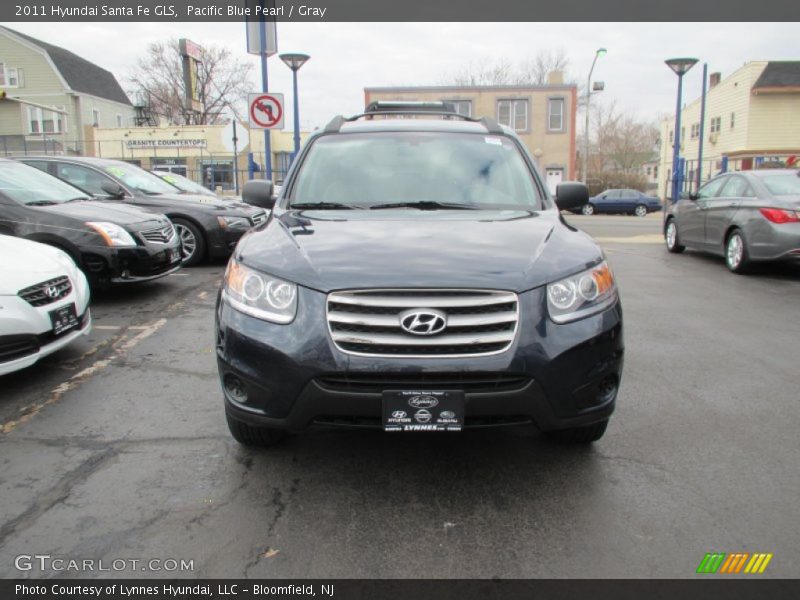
(683, 134)
(95, 118)
(513, 113)
(462, 107)
(695, 131)
(10, 77)
(45, 121)
(119, 120)
(555, 114)
(716, 124)
(733, 120)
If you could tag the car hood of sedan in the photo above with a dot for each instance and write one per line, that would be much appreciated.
(32, 263)
(508, 250)
(112, 212)
(203, 202)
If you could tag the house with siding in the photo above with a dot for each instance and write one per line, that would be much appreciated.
(752, 118)
(49, 96)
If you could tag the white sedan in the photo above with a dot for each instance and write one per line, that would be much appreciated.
(44, 302)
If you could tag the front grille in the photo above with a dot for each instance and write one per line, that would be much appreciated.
(369, 322)
(160, 235)
(259, 218)
(470, 382)
(46, 292)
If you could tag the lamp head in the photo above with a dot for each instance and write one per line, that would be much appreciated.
(294, 61)
(681, 65)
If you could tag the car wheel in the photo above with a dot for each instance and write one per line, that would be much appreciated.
(736, 256)
(588, 209)
(672, 239)
(640, 210)
(248, 435)
(193, 244)
(579, 435)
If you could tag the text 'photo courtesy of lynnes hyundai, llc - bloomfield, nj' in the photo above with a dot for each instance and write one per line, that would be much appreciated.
(308, 299)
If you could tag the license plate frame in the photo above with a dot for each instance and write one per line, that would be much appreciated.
(423, 410)
(64, 319)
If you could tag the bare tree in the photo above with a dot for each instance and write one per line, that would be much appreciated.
(222, 81)
(623, 142)
(534, 71)
(529, 71)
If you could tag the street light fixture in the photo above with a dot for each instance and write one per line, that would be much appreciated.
(680, 66)
(294, 62)
(598, 53)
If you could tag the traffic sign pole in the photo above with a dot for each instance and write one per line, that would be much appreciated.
(265, 88)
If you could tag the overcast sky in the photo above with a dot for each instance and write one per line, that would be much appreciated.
(346, 57)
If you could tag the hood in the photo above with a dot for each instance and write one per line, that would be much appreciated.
(113, 212)
(24, 263)
(507, 250)
(211, 204)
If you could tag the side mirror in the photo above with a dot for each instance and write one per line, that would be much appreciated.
(571, 195)
(259, 192)
(688, 196)
(114, 190)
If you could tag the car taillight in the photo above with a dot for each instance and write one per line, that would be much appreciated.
(779, 215)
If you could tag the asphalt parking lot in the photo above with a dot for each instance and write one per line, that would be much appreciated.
(117, 448)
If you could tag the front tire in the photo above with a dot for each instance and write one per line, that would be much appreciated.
(671, 238)
(248, 435)
(579, 435)
(588, 209)
(737, 258)
(193, 244)
(640, 210)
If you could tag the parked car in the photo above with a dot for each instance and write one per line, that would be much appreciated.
(624, 201)
(746, 217)
(207, 227)
(111, 243)
(44, 302)
(416, 275)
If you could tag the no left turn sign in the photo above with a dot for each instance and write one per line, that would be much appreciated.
(266, 111)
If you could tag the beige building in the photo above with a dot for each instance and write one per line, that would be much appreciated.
(204, 153)
(752, 117)
(50, 96)
(543, 116)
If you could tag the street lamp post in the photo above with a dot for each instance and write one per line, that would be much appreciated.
(600, 52)
(294, 62)
(680, 66)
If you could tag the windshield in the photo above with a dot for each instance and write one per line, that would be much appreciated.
(783, 185)
(29, 185)
(184, 183)
(139, 179)
(365, 170)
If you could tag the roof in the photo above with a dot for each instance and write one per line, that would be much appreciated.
(88, 160)
(779, 76)
(438, 125)
(80, 74)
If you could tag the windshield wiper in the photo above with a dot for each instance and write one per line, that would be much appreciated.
(78, 199)
(323, 205)
(40, 203)
(425, 205)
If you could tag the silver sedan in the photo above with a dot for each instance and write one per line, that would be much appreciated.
(745, 216)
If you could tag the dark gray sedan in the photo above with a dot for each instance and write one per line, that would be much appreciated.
(745, 217)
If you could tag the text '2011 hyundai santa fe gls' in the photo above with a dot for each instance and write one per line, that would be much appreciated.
(416, 275)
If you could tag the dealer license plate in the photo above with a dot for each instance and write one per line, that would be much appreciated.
(419, 410)
(64, 319)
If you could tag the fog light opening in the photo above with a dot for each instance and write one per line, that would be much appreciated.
(606, 389)
(235, 388)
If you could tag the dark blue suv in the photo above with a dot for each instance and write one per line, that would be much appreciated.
(415, 275)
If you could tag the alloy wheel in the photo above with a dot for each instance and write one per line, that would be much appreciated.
(735, 251)
(188, 242)
(672, 235)
(641, 211)
(587, 209)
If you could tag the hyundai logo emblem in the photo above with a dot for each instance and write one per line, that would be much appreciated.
(51, 291)
(423, 322)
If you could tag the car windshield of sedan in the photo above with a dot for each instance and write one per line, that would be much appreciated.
(139, 179)
(783, 185)
(31, 186)
(184, 183)
(451, 170)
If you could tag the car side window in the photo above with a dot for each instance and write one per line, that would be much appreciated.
(611, 194)
(736, 187)
(88, 180)
(38, 164)
(710, 189)
(630, 194)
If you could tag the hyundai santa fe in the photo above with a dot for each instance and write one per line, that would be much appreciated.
(416, 275)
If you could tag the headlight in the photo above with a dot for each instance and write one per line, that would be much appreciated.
(581, 295)
(259, 295)
(113, 234)
(234, 222)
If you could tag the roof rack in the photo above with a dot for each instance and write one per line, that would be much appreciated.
(404, 108)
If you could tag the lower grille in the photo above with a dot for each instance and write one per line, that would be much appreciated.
(423, 322)
(13, 347)
(472, 383)
(46, 292)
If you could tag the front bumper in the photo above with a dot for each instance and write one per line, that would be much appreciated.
(103, 264)
(221, 242)
(292, 376)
